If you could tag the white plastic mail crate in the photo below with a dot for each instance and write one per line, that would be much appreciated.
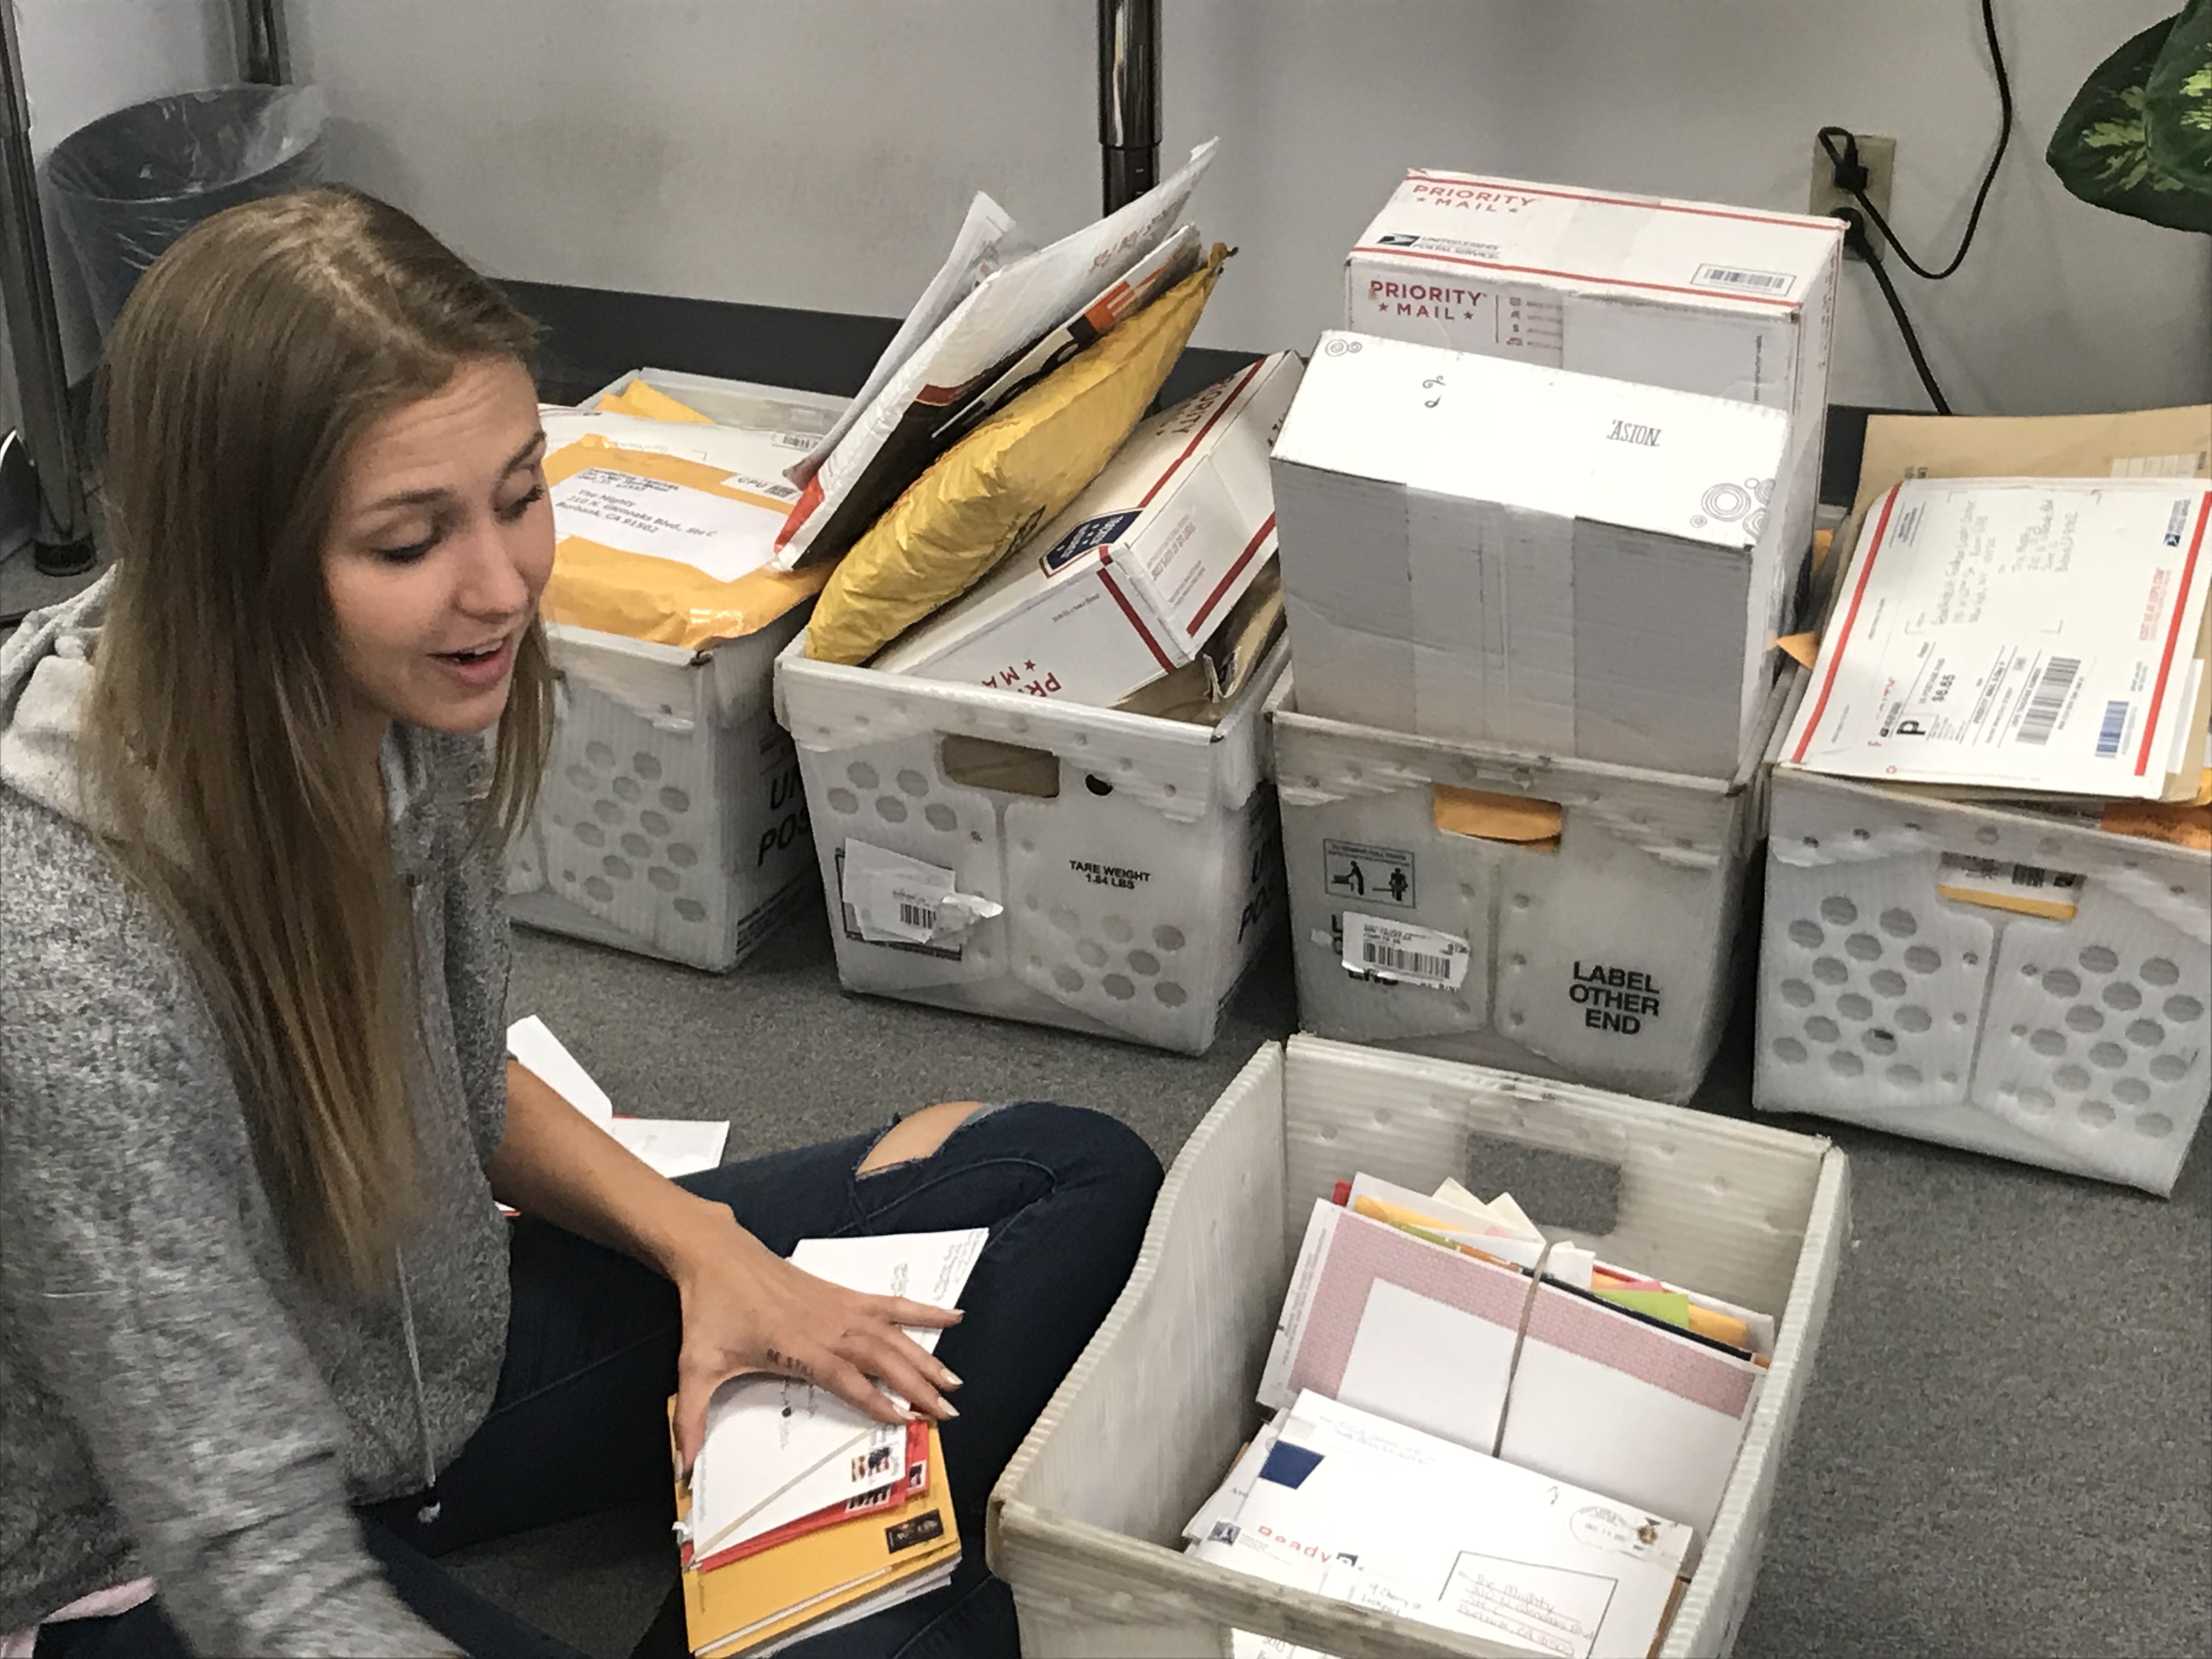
(2080, 1043)
(1085, 1523)
(1608, 960)
(670, 821)
(1135, 898)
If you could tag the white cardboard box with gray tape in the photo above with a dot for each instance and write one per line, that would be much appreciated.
(1698, 296)
(1488, 551)
(1122, 587)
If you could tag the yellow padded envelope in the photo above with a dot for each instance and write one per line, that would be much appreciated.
(619, 590)
(654, 405)
(1017, 470)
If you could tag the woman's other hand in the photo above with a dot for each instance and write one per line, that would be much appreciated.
(746, 1310)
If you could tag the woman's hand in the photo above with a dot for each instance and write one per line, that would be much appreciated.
(747, 1310)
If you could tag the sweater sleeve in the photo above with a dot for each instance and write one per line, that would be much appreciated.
(133, 1224)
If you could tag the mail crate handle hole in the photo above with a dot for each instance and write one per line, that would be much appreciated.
(1557, 1189)
(1483, 815)
(1009, 768)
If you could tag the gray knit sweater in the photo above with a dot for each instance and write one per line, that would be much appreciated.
(174, 1399)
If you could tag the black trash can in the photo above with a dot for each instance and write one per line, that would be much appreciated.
(132, 183)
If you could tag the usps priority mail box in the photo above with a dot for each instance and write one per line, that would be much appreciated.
(1698, 296)
(1128, 583)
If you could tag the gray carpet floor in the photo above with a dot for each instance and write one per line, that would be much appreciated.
(2006, 1449)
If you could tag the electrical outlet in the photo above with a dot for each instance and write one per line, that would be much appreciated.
(1878, 156)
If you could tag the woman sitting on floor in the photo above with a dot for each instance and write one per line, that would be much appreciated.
(268, 1348)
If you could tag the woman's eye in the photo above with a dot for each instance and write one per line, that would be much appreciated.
(522, 504)
(409, 554)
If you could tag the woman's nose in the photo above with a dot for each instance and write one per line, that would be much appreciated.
(493, 582)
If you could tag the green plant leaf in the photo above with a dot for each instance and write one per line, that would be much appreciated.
(2101, 150)
(2177, 100)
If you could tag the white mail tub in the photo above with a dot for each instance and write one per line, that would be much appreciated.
(1985, 976)
(1085, 1523)
(1606, 955)
(1132, 863)
(671, 822)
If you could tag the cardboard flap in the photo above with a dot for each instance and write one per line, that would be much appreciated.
(2175, 443)
(1199, 692)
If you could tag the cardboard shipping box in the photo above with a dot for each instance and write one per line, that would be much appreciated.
(1697, 296)
(1483, 550)
(1128, 583)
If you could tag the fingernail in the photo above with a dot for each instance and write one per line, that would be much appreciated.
(951, 1380)
(947, 1408)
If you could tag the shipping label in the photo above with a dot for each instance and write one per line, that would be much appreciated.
(890, 899)
(1403, 954)
(1995, 885)
(717, 535)
(2030, 634)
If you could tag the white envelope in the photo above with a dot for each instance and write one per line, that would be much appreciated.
(1450, 1536)
(1228, 1496)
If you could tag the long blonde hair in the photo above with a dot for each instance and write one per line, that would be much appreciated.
(246, 364)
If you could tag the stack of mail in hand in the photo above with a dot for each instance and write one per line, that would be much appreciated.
(1485, 1360)
(802, 1514)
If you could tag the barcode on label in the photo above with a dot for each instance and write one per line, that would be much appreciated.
(2021, 875)
(2049, 701)
(1397, 954)
(918, 916)
(2114, 728)
(1377, 955)
(1766, 281)
(2028, 888)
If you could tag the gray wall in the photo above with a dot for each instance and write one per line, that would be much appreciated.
(818, 152)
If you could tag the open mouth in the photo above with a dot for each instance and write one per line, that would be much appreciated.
(478, 660)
